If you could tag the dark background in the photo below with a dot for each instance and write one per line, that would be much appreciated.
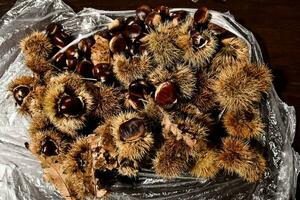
(275, 24)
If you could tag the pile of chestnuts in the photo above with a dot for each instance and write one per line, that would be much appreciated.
(165, 90)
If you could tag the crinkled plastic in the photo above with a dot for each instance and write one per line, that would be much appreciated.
(21, 174)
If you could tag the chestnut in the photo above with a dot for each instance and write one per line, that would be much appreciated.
(61, 39)
(70, 106)
(85, 68)
(163, 11)
(71, 63)
(49, 148)
(178, 16)
(135, 102)
(201, 15)
(198, 40)
(118, 44)
(60, 60)
(139, 88)
(132, 129)
(116, 25)
(72, 52)
(85, 45)
(103, 73)
(142, 12)
(133, 31)
(20, 93)
(153, 19)
(166, 94)
(106, 34)
(136, 48)
(53, 28)
(130, 20)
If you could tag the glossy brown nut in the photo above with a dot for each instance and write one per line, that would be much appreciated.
(166, 94)
(71, 106)
(103, 73)
(178, 16)
(61, 39)
(49, 148)
(137, 48)
(164, 11)
(60, 60)
(71, 63)
(105, 34)
(201, 15)
(135, 102)
(198, 40)
(139, 88)
(133, 31)
(130, 20)
(118, 44)
(85, 68)
(132, 130)
(84, 46)
(72, 52)
(53, 28)
(153, 19)
(116, 25)
(20, 93)
(142, 12)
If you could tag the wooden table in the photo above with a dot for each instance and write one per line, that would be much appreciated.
(275, 24)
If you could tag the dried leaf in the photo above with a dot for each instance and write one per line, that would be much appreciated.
(54, 174)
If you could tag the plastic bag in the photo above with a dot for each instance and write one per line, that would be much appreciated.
(21, 174)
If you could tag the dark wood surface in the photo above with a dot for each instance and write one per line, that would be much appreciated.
(275, 24)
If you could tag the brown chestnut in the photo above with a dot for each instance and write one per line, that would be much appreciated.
(116, 25)
(201, 15)
(153, 19)
(132, 130)
(163, 11)
(142, 12)
(71, 106)
(49, 148)
(139, 88)
(61, 39)
(135, 102)
(72, 52)
(85, 68)
(133, 31)
(166, 94)
(84, 46)
(60, 60)
(103, 73)
(137, 48)
(105, 34)
(20, 93)
(53, 28)
(130, 20)
(178, 16)
(71, 63)
(118, 44)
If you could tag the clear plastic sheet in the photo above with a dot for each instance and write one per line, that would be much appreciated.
(21, 174)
